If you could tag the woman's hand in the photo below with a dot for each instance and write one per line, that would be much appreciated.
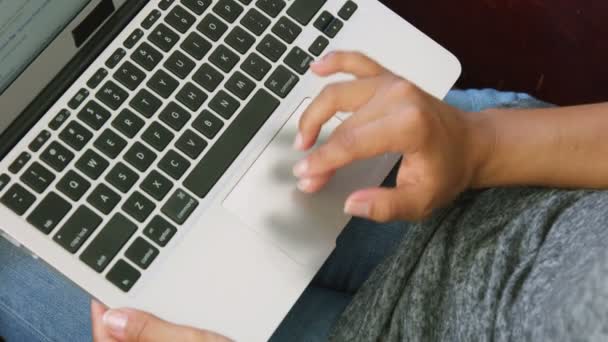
(443, 146)
(126, 325)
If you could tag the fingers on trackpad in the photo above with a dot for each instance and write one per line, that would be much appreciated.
(304, 226)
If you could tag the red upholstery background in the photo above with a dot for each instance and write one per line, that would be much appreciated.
(556, 50)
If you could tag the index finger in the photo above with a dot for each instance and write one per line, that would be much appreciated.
(99, 332)
(354, 63)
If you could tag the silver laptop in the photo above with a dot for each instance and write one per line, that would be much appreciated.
(146, 146)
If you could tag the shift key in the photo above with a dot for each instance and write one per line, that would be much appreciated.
(108, 243)
(77, 229)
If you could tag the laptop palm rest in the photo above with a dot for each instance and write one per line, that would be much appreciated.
(304, 226)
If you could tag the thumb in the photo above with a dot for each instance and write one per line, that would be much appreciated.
(388, 204)
(127, 325)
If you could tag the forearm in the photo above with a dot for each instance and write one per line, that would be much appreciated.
(561, 147)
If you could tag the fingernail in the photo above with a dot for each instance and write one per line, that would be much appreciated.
(301, 168)
(322, 59)
(115, 321)
(298, 143)
(357, 208)
(304, 184)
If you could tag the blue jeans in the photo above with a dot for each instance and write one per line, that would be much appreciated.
(37, 304)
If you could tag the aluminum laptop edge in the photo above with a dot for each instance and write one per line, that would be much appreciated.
(248, 246)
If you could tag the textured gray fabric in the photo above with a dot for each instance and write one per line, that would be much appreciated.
(511, 264)
(502, 264)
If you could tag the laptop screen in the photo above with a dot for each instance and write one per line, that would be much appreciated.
(27, 27)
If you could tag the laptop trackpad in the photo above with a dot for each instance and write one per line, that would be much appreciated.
(304, 226)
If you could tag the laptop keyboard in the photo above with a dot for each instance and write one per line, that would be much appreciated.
(159, 124)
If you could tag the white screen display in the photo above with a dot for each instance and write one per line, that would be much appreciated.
(26, 29)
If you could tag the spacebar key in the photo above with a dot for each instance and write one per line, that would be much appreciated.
(236, 137)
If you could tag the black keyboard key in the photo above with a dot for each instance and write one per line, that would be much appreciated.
(151, 19)
(145, 103)
(156, 185)
(128, 123)
(208, 77)
(208, 124)
(47, 215)
(94, 115)
(196, 46)
(140, 157)
(298, 60)
(165, 4)
(197, 6)
(175, 116)
(147, 56)
(92, 164)
(179, 64)
(163, 37)
(73, 185)
(282, 81)
(212, 27)
(123, 276)
(129, 75)
(163, 84)
(192, 97)
(256, 66)
(133, 38)
(138, 207)
(79, 98)
(104, 199)
(18, 199)
(77, 230)
(179, 207)
(142, 253)
(41, 140)
(110, 143)
(59, 119)
(108, 243)
(97, 78)
(223, 153)
(245, 2)
(224, 104)
(318, 46)
(38, 177)
(160, 231)
(229, 10)
(157, 136)
(348, 10)
(240, 40)
(180, 19)
(20, 162)
(174, 165)
(333, 28)
(57, 156)
(255, 21)
(122, 177)
(115, 58)
(191, 144)
(271, 7)
(4, 180)
(240, 85)
(323, 21)
(286, 30)
(112, 95)
(75, 135)
(224, 58)
(271, 48)
(303, 11)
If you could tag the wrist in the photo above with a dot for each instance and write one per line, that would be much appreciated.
(482, 140)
